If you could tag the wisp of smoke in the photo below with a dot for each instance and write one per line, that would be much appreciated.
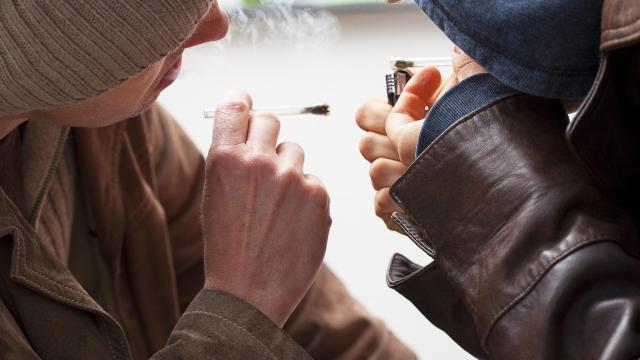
(281, 24)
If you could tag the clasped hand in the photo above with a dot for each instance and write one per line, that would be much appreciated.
(389, 143)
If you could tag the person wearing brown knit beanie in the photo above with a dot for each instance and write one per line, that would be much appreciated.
(117, 239)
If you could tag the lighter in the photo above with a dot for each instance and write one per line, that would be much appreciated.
(395, 84)
(399, 78)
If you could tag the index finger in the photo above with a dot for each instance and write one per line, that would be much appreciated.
(231, 119)
(413, 101)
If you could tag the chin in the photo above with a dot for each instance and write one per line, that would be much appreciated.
(112, 119)
(138, 110)
(146, 107)
(96, 112)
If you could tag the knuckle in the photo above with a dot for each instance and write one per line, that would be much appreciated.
(375, 183)
(261, 161)
(365, 113)
(391, 225)
(380, 212)
(260, 164)
(360, 117)
(290, 176)
(361, 114)
(366, 144)
(290, 145)
(383, 203)
(318, 194)
(231, 107)
(223, 156)
(378, 167)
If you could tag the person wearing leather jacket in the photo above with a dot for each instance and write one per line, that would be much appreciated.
(532, 219)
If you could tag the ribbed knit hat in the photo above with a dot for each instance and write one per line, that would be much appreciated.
(56, 52)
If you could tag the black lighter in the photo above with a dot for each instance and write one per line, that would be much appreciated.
(395, 84)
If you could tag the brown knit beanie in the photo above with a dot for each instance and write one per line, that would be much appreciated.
(56, 52)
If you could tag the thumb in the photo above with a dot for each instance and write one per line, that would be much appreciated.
(463, 65)
(413, 101)
(408, 141)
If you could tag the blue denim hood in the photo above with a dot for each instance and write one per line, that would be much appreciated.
(542, 47)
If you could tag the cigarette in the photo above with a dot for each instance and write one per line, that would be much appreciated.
(322, 109)
(403, 63)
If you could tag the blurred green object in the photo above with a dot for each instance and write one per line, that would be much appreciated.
(320, 3)
(346, 2)
(251, 3)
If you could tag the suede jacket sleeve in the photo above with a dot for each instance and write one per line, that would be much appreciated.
(531, 261)
(220, 325)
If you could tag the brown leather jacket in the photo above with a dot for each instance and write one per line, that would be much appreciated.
(534, 221)
(116, 277)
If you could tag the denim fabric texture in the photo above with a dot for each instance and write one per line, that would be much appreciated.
(546, 48)
(469, 95)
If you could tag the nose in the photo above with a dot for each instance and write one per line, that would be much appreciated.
(213, 27)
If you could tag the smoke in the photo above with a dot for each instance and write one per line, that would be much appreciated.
(282, 25)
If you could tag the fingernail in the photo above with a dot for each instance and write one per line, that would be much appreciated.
(457, 50)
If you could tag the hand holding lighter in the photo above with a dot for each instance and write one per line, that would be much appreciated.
(397, 80)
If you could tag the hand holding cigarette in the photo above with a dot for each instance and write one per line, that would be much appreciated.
(265, 222)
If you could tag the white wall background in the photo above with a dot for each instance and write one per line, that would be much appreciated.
(344, 69)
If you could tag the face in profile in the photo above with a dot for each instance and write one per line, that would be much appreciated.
(136, 94)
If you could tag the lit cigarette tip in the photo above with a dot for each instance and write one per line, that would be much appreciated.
(404, 63)
(401, 64)
(317, 110)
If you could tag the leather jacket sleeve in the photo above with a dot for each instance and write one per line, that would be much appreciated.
(532, 261)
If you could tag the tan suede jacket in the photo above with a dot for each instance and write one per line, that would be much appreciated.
(532, 220)
(136, 292)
